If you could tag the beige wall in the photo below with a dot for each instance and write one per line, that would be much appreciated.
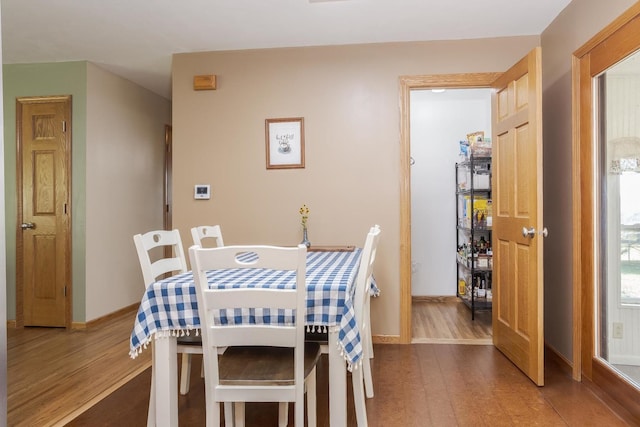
(580, 21)
(124, 175)
(348, 96)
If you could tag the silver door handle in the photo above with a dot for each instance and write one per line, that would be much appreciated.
(531, 232)
(544, 232)
(26, 225)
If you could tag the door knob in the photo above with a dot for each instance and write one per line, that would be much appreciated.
(26, 225)
(544, 232)
(528, 232)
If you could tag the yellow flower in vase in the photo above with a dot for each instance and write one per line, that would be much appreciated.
(304, 212)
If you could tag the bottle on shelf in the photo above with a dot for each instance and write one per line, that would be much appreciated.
(482, 290)
(482, 245)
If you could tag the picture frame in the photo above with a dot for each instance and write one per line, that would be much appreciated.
(284, 140)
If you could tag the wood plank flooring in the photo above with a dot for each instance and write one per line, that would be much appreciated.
(54, 375)
(448, 320)
(418, 385)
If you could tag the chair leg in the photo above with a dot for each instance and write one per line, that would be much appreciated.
(368, 317)
(151, 414)
(366, 363)
(228, 414)
(358, 397)
(310, 386)
(368, 379)
(239, 414)
(298, 413)
(212, 409)
(185, 373)
(312, 411)
(283, 414)
(368, 355)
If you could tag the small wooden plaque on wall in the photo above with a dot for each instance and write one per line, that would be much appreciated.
(204, 82)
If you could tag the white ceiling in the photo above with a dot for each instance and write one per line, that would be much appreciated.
(136, 38)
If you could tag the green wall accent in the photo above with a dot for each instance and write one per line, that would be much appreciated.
(64, 78)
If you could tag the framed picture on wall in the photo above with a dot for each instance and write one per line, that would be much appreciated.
(285, 143)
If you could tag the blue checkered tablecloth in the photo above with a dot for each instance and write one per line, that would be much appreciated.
(169, 306)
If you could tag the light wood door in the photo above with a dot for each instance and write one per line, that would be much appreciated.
(44, 138)
(517, 208)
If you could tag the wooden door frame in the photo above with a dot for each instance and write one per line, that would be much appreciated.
(168, 177)
(167, 214)
(408, 83)
(610, 45)
(19, 182)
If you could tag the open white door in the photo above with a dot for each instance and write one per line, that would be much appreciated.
(517, 216)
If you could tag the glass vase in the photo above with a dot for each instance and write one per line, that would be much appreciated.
(305, 238)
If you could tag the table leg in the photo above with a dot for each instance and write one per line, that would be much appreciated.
(151, 413)
(337, 383)
(165, 371)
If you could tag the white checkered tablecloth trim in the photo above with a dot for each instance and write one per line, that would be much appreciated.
(169, 306)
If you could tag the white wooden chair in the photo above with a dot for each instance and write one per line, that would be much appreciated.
(361, 308)
(360, 377)
(154, 243)
(203, 236)
(206, 232)
(365, 328)
(262, 363)
(321, 337)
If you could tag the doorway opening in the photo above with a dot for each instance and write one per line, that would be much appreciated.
(517, 299)
(439, 120)
(407, 85)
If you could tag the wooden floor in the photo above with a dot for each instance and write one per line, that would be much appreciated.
(418, 385)
(55, 375)
(448, 320)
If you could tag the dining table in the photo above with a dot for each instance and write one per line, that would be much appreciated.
(169, 309)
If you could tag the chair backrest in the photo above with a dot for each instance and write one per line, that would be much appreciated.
(210, 301)
(205, 232)
(365, 271)
(146, 244)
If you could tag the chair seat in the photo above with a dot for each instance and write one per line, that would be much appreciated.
(264, 365)
(193, 339)
(321, 337)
